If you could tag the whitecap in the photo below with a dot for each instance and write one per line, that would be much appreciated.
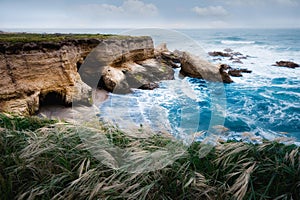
(237, 42)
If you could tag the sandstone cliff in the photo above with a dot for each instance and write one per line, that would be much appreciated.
(64, 71)
(32, 73)
(123, 65)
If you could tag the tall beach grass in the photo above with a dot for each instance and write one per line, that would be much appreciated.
(46, 159)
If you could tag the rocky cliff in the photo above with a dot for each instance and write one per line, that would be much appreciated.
(33, 73)
(62, 70)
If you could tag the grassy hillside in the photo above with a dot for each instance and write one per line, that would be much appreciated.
(35, 37)
(45, 159)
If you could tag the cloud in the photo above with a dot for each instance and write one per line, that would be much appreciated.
(261, 2)
(288, 2)
(210, 11)
(128, 8)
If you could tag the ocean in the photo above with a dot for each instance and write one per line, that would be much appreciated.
(264, 104)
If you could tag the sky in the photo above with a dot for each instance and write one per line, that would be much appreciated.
(149, 14)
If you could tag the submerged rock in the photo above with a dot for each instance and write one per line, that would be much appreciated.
(287, 64)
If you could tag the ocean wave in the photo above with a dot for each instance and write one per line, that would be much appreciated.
(237, 42)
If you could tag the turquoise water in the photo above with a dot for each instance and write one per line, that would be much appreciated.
(262, 105)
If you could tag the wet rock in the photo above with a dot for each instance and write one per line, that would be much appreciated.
(237, 61)
(219, 53)
(167, 57)
(238, 72)
(149, 86)
(235, 73)
(245, 70)
(225, 67)
(287, 64)
(237, 54)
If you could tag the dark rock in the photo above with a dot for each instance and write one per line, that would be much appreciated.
(170, 59)
(245, 70)
(170, 56)
(237, 61)
(235, 73)
(238, 72)
(287, 64)
(149, 86)
(167, 57)
(217, 59)
(225, 67)
(219, 53)
(225, 76)
(237, 54)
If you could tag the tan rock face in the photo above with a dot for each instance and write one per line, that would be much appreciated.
(196, 67)
(32, 72)
(27, 75)
(125, 64)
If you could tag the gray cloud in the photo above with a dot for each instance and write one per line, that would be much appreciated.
(210, 11)
(129, 7)
(261, 2)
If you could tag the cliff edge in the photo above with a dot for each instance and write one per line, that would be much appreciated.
(43, 69)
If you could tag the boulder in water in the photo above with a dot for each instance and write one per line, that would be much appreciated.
(149, 86)
(219, 53)
(287, 64)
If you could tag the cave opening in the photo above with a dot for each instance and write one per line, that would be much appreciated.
(53, 98)
(78, 65)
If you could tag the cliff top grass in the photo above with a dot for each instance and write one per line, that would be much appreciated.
(45, 159)
(56, 37)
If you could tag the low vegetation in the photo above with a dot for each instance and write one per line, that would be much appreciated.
(45, 159)
(46, 37)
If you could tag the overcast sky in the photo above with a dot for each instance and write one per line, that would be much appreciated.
(149, 13)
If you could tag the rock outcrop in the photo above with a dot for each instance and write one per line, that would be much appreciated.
(196, 67)
(128, 64)
(287, 64)
(65, 71)
(235, 72)
(234, 57)
(32, 73)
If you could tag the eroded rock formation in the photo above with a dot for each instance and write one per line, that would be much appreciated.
(64, 72)
(125, 65)
(30, 71)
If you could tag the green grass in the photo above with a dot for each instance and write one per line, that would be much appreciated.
(44, 159)
(35, 37)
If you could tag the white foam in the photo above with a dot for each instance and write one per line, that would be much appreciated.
(237, 42)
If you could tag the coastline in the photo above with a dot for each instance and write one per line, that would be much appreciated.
(59, 158)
